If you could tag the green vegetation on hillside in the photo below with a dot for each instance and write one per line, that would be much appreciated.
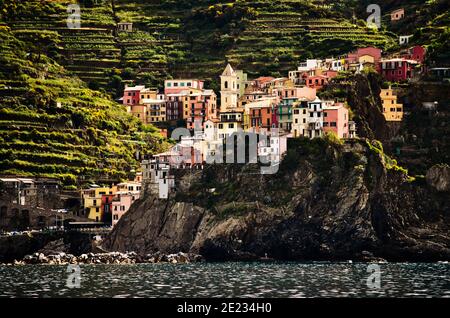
(192, 38)
(53, 125)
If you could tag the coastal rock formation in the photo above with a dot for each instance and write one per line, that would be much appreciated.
(18, 246)
(327, 202)
(107, 258)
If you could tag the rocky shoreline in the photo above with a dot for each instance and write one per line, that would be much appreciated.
(117, 258)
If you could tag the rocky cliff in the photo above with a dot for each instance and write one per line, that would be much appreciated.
(328, 202)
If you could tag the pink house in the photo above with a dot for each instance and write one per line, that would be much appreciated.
(298, 92)
(132, 95)
(335, 119)
(397, 14)
(121, 203)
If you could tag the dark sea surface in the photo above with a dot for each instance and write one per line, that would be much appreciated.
(229, 280)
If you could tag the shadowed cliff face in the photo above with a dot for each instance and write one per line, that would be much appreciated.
(328, 202)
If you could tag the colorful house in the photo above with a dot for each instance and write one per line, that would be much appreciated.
(132, 95)
(308, 119)
(139, 111)
(397, 15)
(392, 110)
(263, 115)
(416, 53)
(398, 69)
(230, 122)
(155, 110)
(121, 203)
(317, 81)
(288, 97)
(300, 119)
(335, 119)
(203, 106)
(174, 106)
(92, 202)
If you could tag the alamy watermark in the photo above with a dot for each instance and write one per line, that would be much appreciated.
(374, 19)
(74, 277)
(74, 18)
(237, 147)
(374, 279)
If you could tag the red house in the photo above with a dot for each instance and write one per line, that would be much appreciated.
(317, 82)
(397, 70)
(265, 117)
(132, 95)
(416, 53)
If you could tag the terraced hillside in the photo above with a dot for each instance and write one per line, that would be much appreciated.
(194, 38)
(197, 38)
(427, 21)
(52, 125)
(90, 52)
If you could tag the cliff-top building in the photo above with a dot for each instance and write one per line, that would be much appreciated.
(392, 110)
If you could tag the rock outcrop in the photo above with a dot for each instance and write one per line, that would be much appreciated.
(18, 246)
(327, 202)
(107, 258)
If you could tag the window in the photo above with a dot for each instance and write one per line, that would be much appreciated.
(226, 84)
(182, 84)
(220, 126)
(296, 120)
(230, 125)
(97, 210)
(175, 84)
(333, 124)
(169, 84)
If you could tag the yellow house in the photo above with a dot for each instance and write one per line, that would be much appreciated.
(392, 110)
(92, 202)
(367, 60)
(147, 93)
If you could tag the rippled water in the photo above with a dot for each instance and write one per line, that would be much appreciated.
(228, 280)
